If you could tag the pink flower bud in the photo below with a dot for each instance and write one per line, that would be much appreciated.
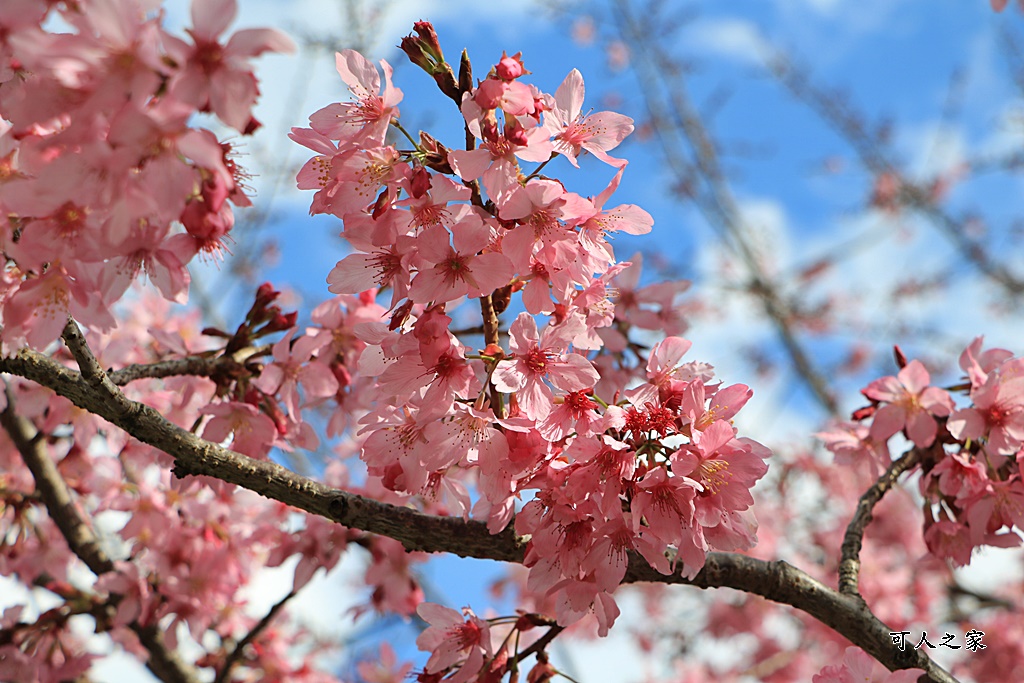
(510, 68)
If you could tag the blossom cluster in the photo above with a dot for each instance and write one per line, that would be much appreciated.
(970, 456)
(100, 163)
(858, 666)
(620, 449)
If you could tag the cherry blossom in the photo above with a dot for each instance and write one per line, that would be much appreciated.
(573, 132)
(537, 358)
(908, 403)
(217, 77)
(858, 666)
(454, 638)
(366, 119)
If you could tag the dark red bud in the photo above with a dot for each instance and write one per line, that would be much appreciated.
(413, 48)
(282, 322)
(382, 204)
(399, 316)
(901, 358)
(265, 294)
(863, 413)
(420, 183)
(516, 134)
(252, 126)
(489, 129)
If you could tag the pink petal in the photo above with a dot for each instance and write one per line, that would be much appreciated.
(211, 17)
(569, 96)
(358, 73)
(574, 374)
(252, 42)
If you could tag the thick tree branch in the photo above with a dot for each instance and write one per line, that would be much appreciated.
(781, 582)
(53, 491)
(853, 539)
(165, 663)
(776, 581)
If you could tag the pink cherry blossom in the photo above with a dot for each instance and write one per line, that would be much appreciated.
(574, 132)
(251, 431)
(451, 270)
(366, 120)
(218, 77)
(908, 403)
(537, 358)
(292, 368)
(858, 666)
(998, 411)
(453, 638)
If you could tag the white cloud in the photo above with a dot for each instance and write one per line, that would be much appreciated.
(730, 38)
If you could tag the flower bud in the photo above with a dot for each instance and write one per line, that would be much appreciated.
(516, 134)
(420, 182)
(435, 154)
(510, 68)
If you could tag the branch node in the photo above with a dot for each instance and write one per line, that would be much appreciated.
(337, 508)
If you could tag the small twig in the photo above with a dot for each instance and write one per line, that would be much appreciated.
(492, 331)
(853, 539)
(542, 642)
(198, 366)
(984, 599)
(236, 654)
(53, 491)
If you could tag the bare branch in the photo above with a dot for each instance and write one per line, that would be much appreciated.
(853, 539)
(538, 645)
(165, 663)
(679, 125)
(198, 366)
(239, 651)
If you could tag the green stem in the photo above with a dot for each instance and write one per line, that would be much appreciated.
(396, 124)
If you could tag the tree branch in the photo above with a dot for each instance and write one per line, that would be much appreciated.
(852, 129)
(166, 664)
(237, 653)
(679, 124)
(853, 539)
(781, 582)
(776, 581)
(198, 366)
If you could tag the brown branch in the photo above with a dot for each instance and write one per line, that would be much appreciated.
(236, 654)
(538, 645)
(679, 125)
(853, 539)
(776, 581)
(869, 149)
(781, 582)
(198, 366)
(195, 456)
(164, 663)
